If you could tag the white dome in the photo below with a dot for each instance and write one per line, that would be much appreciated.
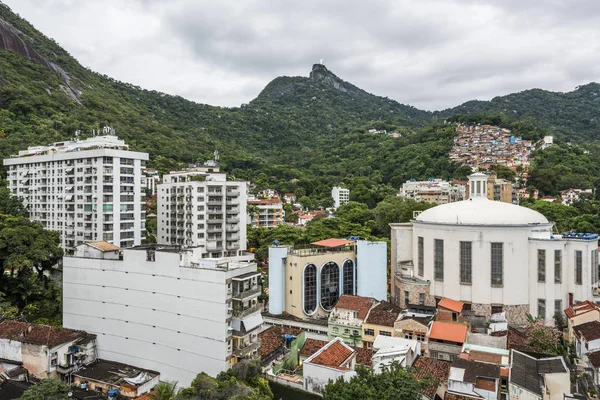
(481, 211)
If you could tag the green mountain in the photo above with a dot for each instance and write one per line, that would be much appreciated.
(300, 134)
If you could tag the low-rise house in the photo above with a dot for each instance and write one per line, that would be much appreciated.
(485, 348)
(438, 370)
(311, 346)
(445, 340)
(412, 328)
(273, 343)
(450, 310)
(379, 321)
(106, 376)
(538, 378)
(581, 313)
(346, 319)
(387, 350)
(335, 360)
(587, 338)
(289, 198)
(45, 351)
(472, 379)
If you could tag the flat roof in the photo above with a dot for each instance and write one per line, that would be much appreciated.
(332, 242)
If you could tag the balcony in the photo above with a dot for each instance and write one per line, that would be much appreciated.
(233, 220)
(233, 193)
(213, 220)
(234, 246)
(214, 246)
(247, 294)
(214, 229)
(214, 202)
(232, 229)
(247, 311)
(64, 369)
(245, 352)
(232, 202)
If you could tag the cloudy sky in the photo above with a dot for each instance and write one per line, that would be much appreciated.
(432, 54)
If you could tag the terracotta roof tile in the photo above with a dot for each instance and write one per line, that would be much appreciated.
(581, 308)
(594, 358)
(364, 356)
(516, 339)
(43, 335)
(485, 384)
(589, 331)
(451, 332)
(103, 246)
(332, 242)
(311, 346)
(355, 303)
(425, 367)
(384, 314)
(335, 354)
(452, 305)
(272, 338)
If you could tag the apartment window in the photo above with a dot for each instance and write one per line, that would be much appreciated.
(369, 332)
(422, 299)
(558, 306)
(497, 263)
(406, 298)
(542, 308)
(438, 259)
(465, 262)
(578, 267)
(496, 309)
(385, 333)
(346, 331)
(557, 266)
(541, 265)
(335, 330)
(420, 251)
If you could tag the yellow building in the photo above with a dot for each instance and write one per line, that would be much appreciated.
(379, 321)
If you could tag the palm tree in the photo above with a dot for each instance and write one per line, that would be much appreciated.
(165, 391)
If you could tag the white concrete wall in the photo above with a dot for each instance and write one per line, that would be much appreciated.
(557, 385)
(316, 376)
(371, 269)
(10, 350)
(277, 257)
(518, 393)
(155, 315)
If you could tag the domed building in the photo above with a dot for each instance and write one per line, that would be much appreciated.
(494, 256)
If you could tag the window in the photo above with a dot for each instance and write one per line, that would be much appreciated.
(594, 266)
(330, 285)
(496, 309)
(454, 317)
(578, 267)
(335, 330)
(542, 308)
(420, 254)
(408, 335)
(420, 337)
(541, 265)
(406, 298)
(385, 333)
(310, 289)
(438, 259)
(497, 264)
(422, 299)
(349, 277)
(558, 306)
(465, 262)
(557, 266)
(346, 331)
(369, 332)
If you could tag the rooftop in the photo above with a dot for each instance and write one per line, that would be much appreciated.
(526, 370)
(452, 305)
(355, 303)
(10, 389)
(516, 339)
(68, 146)
(594, 358)
(438, 370)
(588, 331)
(581, 308)
(384, 314)
(311, 346)
(42, 335)
(475, 369)
(103, 246)
(450, 332)
(335, 354)
(332, 242)
(272, 339)
(115, 373)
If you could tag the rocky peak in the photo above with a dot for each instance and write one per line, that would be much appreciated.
(320, 73)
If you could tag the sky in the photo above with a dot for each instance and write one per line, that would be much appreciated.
(432, 54)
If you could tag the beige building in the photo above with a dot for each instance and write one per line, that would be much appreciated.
(379, 321)
(414, 328)
(581, 313)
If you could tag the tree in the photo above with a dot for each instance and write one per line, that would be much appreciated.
(10, 204)
(394, 382)
(542, 337)
(396, 209)
(47, 389)
(165, 390)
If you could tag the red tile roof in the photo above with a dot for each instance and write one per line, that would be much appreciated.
(384, 314)
(581, 308)
(589, 331)
(332, 242)
(272, 338)
(448, 331)
(335, 354)
(594, 358)
(364, 356)
(516, 340)
(311, 346)
(355, 303)
(425, 367)
(452, 305)
(42, 335)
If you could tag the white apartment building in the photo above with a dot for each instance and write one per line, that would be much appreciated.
(433, 191)
(340, 196)
(87, 190)
(267, 213)
(150, 179)
(164, 309)
(198, 207)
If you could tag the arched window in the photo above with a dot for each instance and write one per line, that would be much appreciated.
(330, 285)
(310, 289)
(348, 277)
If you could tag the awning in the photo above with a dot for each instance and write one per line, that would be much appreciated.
(333, 242)
(252, 321)
(244, 276)
(68, 198)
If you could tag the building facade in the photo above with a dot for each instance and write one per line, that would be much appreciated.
(199, 207)
(87, 190)
(266, 213)
(433, 191)
(307, 282)
(340, 196)
(165, 309)
(493, 256)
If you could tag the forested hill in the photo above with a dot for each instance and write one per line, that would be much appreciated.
(571, 116)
